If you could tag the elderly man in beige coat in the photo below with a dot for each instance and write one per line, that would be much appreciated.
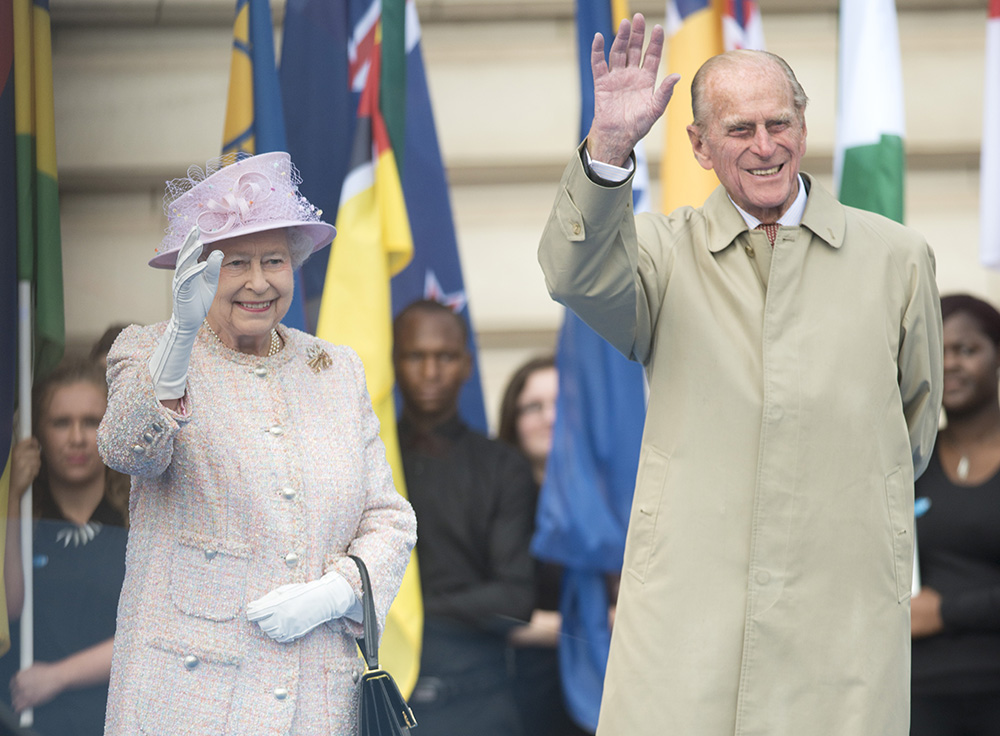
(794, 395)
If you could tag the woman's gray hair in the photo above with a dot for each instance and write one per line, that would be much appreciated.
(731, 59)
(300, 247)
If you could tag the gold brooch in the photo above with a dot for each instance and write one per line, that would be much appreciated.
(318, 359)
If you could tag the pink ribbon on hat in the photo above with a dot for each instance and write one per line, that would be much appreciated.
(248, 189)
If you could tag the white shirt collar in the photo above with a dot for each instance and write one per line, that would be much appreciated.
(791, 218)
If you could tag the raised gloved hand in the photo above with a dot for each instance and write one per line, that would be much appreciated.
(194, 289)
(292, 611)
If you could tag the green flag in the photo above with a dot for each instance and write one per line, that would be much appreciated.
(869, 161)
(39, 250)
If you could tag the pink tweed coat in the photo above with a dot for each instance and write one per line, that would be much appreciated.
(274, 474)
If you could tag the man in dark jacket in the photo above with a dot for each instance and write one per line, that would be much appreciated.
(473, 499)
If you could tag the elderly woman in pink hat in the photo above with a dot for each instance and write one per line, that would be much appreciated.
(257, 469)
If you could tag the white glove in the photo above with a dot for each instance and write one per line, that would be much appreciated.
(292, 611)
(194, 289)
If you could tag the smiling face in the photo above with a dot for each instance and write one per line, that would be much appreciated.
(971, 363)
(753, 136)
(67, 432)
(255, 290)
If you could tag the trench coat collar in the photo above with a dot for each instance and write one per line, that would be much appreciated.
(824, 216)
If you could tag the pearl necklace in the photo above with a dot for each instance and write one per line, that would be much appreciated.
(272, 351)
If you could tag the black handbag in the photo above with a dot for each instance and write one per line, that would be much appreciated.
(383, 711)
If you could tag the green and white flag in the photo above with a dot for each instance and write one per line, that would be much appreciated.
(869, 162)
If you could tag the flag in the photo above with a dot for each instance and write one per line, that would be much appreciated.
(39, 249)
(989, 164)
(254, 121)
(697, 30)
(8, 273)
(320, 113)
(436, 270)
(694, 33)
(741, 25)
(373, 242)
(869, 162)
(321, 102)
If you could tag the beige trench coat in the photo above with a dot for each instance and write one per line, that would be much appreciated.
(768, 564)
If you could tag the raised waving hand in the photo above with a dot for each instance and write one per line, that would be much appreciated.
(627, 100)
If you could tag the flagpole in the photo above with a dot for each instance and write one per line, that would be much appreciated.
(27, 544)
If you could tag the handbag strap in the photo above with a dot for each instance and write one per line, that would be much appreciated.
(369, 642)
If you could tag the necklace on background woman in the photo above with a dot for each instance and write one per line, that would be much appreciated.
(274, 349)
(962, 469)
(980, 449)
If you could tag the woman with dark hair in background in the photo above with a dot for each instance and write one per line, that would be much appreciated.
(527, 415)
(528, 411)
(955, 619)
(80, 507)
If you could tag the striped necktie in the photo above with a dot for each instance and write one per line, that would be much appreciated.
(770, 229)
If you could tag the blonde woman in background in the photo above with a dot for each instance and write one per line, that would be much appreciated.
(80, 510)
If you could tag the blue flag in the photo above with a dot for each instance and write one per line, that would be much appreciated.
(592, 17)
(320, 113)
(586, 498)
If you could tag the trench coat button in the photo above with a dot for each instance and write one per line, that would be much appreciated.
(148, 436)
(577, 229)
(762, 577)
(749, 249)
(276, 430)
(190, 662)
(157, 427)
(291, 559)
(260, 371)
(210, 554)
(139, 449)
(288, 493)
(280, 693)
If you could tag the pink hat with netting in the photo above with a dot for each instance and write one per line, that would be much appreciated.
(236, 196)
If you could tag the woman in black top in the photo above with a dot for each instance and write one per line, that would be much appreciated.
(956, 616)
(80, 510)
(527, 415)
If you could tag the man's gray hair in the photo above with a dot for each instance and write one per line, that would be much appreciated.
(731, 59)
